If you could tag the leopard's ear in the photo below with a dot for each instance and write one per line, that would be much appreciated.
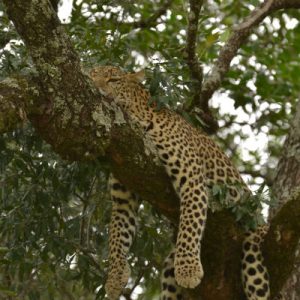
(138, 76)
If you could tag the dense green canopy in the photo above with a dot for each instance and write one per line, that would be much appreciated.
(54, 213)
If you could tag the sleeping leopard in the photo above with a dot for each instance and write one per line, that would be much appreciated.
(194, 164)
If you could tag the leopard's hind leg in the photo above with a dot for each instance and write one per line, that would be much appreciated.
(169, 288)
(254, 274)
(121, 233)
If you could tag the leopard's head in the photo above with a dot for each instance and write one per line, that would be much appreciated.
(110, 80)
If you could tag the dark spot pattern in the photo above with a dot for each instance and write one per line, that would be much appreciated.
(254, 273)
(194, 164)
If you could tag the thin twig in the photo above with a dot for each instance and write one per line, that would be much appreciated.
(127, 294)
(86, 251)
(268, 180)
(152, 20)
(85, 201)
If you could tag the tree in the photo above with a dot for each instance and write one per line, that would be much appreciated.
(53, 213)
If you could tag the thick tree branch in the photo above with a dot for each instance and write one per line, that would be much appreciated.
(75, 120)
(282, 242)
(70, 113)
(286, 182)
(190, 49)
(196, 72)
(289, 163)
(68, 102)
(236, 40)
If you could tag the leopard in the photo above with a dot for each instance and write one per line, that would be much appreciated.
(194, 164)
(255, 276)
(122, 229)
(170, 290)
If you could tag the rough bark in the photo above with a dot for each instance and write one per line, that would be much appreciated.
(286, 183)
(287, 178)
(190, 55)
(70, 114)
(67, 101)
(196, 107)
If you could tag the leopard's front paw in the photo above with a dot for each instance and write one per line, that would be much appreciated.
(118, 275)
(188, 272)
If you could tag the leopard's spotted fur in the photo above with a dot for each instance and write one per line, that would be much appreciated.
(169, 288)
(193, 162)
(121, 233)
(254, 273)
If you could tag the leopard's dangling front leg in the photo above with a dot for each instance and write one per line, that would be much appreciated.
(122, 230)
(193, 212)
(189, 183)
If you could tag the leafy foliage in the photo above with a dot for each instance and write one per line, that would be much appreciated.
(54, 214)
(53, 222)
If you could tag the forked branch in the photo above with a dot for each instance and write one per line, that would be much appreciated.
(196, 71)
(238, 37)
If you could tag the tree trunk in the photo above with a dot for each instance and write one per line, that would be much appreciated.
(287, 182)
